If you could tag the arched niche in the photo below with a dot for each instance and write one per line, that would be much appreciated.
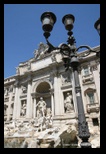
(43, 89)
(40, 85)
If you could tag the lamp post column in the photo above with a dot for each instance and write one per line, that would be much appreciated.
(83, 131)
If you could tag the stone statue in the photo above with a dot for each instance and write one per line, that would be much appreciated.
(53, 57)
(41, 51)
(23, 109)
(68, 103)
(41, 107)
(17, 70)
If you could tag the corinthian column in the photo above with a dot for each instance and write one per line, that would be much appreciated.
(29, 100)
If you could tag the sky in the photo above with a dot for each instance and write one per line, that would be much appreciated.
(23, 29)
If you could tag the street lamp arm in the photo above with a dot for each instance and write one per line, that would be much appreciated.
(62, 47)
(50, 46)
(84, 46)
(89, 50)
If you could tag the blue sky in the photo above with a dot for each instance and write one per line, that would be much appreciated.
(23, 29)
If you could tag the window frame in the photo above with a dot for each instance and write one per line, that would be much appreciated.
(86, 71)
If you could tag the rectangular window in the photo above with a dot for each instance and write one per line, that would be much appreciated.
(95, 122)
(91, 97)
(86, 71)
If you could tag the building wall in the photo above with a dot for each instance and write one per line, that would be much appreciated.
(46, 77)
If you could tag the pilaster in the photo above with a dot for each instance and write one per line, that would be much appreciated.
(59, 108)
(52, 103)
(18, 103)
(34, 107)
(15, 100)
(9, 107)
(96, 76)
(29, 100)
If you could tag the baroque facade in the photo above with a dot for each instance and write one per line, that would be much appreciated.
(43, 79)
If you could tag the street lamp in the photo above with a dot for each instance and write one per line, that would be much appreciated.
(97, 26)
(48, 20)
(70, 58)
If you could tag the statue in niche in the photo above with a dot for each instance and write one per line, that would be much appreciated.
(23, 109)
(24, 89)
(41, 105)
(68, 103)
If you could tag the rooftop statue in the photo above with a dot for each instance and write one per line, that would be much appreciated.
(41, 51)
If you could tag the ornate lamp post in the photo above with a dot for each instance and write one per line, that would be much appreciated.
(70, 58)
(97, 26)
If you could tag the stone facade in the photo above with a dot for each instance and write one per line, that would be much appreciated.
(44, 77)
